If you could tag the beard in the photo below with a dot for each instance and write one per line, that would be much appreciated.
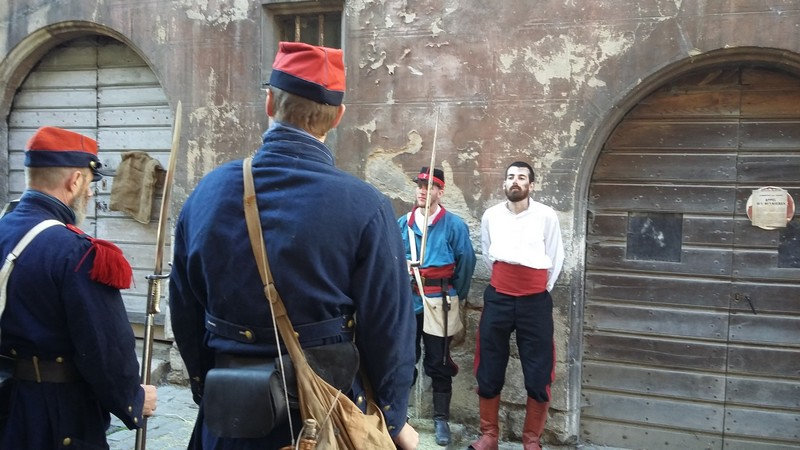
(79, 205)
(516, 193)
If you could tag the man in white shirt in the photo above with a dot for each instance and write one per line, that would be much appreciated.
(521, 242)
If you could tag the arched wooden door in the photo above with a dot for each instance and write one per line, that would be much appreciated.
(100, 87)
(692, 315)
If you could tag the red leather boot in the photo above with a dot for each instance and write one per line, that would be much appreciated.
(535, 418)
(490, 431)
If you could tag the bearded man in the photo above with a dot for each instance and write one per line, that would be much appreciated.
(63, 321)
(521, 242)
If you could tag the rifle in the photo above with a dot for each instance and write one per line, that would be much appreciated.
(154, 280)
(416, 265)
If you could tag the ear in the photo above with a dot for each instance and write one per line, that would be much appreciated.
(270, 106)
(339, 114)
(75, 181)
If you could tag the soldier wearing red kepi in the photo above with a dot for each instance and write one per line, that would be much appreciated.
(521, 242)
(334, 251)
(64, 323)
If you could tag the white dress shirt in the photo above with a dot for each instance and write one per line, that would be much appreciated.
(531, 238)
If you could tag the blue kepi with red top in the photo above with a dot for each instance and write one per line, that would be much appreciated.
(312, 72)
(57, 147)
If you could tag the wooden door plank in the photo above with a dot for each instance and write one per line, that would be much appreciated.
(692, 386)
(761, 328)
(150, 138)
(709, 261)
(764, 361)
(656, 352)
(655, 321)
(139, 115)
(653, 411)
(763, 135)
(686, 168)
(671, 105)
(779, 427)
(624, 436)
(763, 392)
(696, 199)
(761, 265)
(770, 298)
(774, 168)
(658, 290)
(679, 136)
(773, 104)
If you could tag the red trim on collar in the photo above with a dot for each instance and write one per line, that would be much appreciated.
(436, 218)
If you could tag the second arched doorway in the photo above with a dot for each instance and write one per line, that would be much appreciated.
(691, 321)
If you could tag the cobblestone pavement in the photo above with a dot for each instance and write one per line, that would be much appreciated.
(168, 429)
(172, 425)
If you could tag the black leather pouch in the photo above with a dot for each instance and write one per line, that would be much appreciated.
(243, 402)
(249, 401)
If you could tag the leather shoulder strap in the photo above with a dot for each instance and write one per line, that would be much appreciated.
(256, 234)
(11, 258)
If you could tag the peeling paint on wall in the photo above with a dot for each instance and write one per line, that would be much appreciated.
(160, 31)
(216, 12)
(435, 28)
(368, 129)
(214, 121)
(561, 57)
(574, 127)
(379, 61)
(388, 177)
(407, 17)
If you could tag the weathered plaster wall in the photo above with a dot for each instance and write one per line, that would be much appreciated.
(204, 52)
(544, 81)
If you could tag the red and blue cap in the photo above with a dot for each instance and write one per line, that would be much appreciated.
(312, 72)
(424, 173)
(57, 147)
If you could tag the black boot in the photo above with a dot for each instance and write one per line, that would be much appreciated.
(441, 414)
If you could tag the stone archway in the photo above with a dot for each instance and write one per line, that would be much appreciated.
(100, 86)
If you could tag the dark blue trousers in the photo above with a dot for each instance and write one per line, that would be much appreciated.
(532, 318)
(441, 374)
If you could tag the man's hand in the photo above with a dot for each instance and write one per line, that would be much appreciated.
(150, 398)
(407, 438)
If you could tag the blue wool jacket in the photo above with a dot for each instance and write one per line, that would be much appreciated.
(333, 251)
(55, 310)
(447, 242)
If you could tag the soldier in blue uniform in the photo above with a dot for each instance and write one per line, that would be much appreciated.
(333, 248)
(447, 269)
(64, 323)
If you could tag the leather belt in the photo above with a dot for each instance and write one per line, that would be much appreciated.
(337, 326)
(226, 360)
(431, 281)
(34, 369)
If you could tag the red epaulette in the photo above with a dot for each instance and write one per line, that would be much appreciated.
(110, 266)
